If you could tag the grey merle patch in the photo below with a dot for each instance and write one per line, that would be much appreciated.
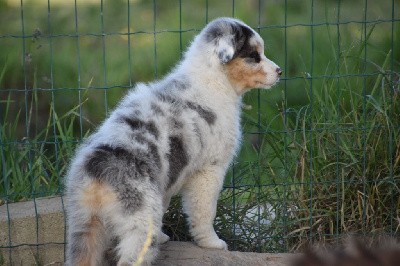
(157, 109)
(176, 124)
(154, 153)
(130, 197)
(112, 163)
(180, 84)
(208, 115)
(166, 98)
(152, 149)
(137, 124)
(175, 104)
(205, 113)
(177, 157)
(214, 33)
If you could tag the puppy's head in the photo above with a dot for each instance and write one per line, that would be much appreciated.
(240, 50)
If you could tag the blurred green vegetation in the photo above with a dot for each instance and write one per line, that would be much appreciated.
(58, 49)
(320, 152)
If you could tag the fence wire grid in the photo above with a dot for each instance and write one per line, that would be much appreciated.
(320, 157)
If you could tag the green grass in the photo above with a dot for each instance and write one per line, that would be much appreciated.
(34, 166)
(320, 153)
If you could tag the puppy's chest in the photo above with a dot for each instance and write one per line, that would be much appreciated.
(219, 141)
(226, 134)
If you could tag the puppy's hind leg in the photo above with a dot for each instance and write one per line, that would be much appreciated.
(200, 195)
(138, 224)
(162, 237)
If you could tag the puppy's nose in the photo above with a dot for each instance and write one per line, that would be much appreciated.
(279, 71)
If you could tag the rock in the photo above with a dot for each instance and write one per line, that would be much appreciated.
(33, 232)
(188, 254)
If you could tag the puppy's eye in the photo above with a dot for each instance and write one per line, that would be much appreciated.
(255, 56)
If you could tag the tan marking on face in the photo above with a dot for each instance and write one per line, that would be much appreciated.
(244, 75)
(98, 195)
(90, 239)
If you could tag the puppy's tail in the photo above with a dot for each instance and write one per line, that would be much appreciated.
(147, 244)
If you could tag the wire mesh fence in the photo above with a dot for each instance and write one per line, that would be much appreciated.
(321, 151)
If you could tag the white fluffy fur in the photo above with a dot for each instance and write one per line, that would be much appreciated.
(198, 113)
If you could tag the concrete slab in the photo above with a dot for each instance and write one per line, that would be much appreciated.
(35, 231)
(188, 254)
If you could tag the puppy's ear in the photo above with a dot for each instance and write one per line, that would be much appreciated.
(225, 50)
(227, 37)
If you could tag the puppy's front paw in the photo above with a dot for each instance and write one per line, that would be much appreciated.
(162, 238)
(214, 243)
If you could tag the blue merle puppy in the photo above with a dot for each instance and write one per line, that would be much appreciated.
(176, 135)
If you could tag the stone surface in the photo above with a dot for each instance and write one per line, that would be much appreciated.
(188, 254)
(36, 232)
